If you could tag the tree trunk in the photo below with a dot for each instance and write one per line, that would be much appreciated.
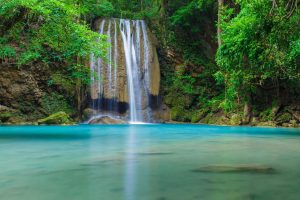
(247, 110)
(220, 5)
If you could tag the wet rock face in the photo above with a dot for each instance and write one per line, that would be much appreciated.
(18, 89)
(25, 95)
(163, 114)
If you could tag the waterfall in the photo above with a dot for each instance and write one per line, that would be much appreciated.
(124, 76)
(115, 65)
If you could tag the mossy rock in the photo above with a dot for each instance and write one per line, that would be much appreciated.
(236, 119)
(198, 115)
(88, 113)
(180, 115)
(57, 118)
(208, 119)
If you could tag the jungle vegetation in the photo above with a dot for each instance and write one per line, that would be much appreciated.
(232, 56)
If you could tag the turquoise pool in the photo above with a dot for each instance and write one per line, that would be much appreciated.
(148, 162)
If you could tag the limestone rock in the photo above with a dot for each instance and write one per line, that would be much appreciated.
(163, 114)
(106, 120)
(88, 113)
(18, 88)
(155, 71)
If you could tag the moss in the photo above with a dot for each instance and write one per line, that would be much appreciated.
(198, 115)
(57, 118)
(207, 119)
(180, 115)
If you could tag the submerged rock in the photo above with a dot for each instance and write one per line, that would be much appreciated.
(57, 118)
(153, 153)
(236, 169)
(106, 120)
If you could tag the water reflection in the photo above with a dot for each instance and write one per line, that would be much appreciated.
(130, 164)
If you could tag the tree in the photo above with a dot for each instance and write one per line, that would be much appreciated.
(260, 46)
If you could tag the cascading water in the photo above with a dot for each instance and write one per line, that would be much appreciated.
(124, 76)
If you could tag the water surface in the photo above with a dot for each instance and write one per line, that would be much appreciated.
(147, 162)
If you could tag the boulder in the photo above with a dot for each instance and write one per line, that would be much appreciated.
(56, 119)
(163, 114)
(106, 120)
(88, 113)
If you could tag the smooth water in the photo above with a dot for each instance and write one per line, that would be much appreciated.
(146, 162)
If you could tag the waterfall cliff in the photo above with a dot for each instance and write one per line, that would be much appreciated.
(129, 75)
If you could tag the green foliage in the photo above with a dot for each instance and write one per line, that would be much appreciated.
(54, 102)
(51, 31)
(101, 8)
(266, 115)
(285, 117)
(186, 13)
(7, 51)
(259, 44)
